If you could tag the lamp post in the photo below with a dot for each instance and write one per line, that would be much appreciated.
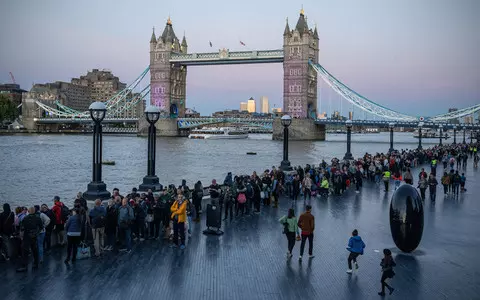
(285, 164)
(441, 133)
(97, 189)
(152, 114)
(391, 126)
(348, 154)
(420, 125)
(471, 135)
(454, 134)
(464, 131)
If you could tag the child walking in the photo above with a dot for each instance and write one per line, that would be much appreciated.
(355, 246)
(387, 271)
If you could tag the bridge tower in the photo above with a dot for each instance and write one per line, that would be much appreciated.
(167, 81)
(300, 82)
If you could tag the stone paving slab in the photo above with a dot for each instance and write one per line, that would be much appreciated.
(248, 261)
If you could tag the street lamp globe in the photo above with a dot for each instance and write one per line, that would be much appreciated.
(286, 120)
(97, 111)
(152, 113)
(464, 128)
(349, 123)
(391, 125)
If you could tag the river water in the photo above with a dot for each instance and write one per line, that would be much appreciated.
(34, 168)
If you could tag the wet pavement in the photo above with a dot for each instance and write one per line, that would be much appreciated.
(248, 261)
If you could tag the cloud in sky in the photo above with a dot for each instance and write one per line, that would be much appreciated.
(417, 57)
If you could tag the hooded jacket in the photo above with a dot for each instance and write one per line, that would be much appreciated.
(356, 245)
(7, 220)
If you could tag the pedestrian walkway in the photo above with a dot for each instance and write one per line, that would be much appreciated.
(248, 261)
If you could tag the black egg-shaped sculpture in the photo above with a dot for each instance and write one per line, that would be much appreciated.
(406, 218)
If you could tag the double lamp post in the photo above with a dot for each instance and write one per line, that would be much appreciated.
(97, 189)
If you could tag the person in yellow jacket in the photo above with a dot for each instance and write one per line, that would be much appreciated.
(386, 179)
(324, 186)
(179, 217)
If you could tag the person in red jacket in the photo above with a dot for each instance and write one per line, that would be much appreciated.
(59, 228)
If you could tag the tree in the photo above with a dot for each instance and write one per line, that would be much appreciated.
(8, 110)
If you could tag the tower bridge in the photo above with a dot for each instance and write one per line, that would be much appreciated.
(166, 89)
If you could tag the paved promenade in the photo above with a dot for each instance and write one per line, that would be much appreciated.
(248, 261)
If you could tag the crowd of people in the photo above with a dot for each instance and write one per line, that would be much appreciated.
(169, 213)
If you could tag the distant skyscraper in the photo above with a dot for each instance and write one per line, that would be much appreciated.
(276, 110)
(265, 108)
(251, 105)
(243, 106)
(350, 115)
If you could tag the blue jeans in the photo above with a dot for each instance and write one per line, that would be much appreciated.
(127, 238)
(40, 238)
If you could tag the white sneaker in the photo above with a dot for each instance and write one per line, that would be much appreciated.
(357, 192)
(300, 258)
(311, 256)
(349, 271)
(289, 255)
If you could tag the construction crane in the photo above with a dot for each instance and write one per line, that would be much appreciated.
(13, 78)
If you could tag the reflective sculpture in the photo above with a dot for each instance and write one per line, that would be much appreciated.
(406, 218)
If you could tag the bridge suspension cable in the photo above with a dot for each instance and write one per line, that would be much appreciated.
(114, 105)
(357, 99)
(456, 114)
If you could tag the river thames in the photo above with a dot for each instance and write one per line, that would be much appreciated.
(37, 167)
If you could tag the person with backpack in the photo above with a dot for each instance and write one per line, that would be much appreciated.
(47, 242)
(290, 229)
(111, 225)
(125, 219)
(250, 194)
(355, 247)
(229, 202)
(61, 213)
(31, 225)
(41, 235)
(197, 200)
(240, 196)
(98, 216)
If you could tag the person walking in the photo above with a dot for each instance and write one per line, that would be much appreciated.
(290, 224)
(422, 185)
(386, 179)
(355, 247)
(387, 265)
(306, 222)
(445, 182)
(432, 183)
(98, 219)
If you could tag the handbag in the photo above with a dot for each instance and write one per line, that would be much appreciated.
(83, 251)
(262, 195)
(149, 218)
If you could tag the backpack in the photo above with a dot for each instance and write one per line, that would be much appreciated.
(99, 222)
(65, 212)
(250, 193)
(285, 227)
(241, 198)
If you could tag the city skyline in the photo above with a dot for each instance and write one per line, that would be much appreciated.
(395, 54)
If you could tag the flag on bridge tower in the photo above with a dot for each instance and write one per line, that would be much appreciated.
(242, 43)
(210, 44)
